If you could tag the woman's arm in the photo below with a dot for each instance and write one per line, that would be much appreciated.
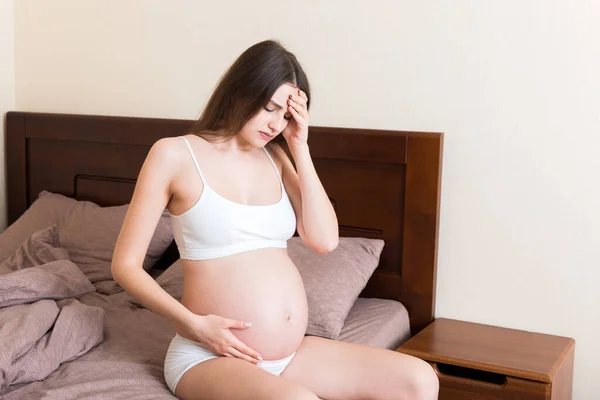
(316, 220)
(317, 223)
(150, 198)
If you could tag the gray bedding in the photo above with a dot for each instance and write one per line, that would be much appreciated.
(60, 339)
(41, 323)
(128, 364)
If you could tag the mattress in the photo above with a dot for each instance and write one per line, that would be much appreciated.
(376, 322)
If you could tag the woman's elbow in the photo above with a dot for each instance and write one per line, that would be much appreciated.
(120, 268)
(328, 246)
(115, 272)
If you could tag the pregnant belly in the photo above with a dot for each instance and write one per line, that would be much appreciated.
(262, 287)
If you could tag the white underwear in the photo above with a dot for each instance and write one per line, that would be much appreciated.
(183, 354)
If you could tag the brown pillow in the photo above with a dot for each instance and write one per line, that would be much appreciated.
(40, 248)
(332, 281)
(88, 232)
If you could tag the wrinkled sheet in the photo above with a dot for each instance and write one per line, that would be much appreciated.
(41, 323)
(128, 364)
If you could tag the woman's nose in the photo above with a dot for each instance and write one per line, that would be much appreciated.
(277, 124)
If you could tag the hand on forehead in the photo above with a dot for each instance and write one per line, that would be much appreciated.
(287, 89)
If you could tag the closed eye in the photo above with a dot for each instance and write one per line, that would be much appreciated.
(286, 118)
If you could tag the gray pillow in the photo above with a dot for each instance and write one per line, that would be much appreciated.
(332, 281)
(87, 231)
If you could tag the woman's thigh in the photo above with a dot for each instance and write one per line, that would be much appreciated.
(235, 379)
(337, 370)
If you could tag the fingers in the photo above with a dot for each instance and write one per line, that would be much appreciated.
(295, 105)
(230, 341)
(232, 323)
(238, 354)
(233, 347)
(298, 99)
(239, 345)
(295, 114)
(303, 96)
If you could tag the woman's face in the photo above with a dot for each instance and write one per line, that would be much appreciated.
(271, 120)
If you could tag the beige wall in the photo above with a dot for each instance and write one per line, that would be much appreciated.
(513, 84)
(7, 89)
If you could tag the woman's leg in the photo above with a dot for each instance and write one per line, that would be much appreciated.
(236, 379)
(337, 370)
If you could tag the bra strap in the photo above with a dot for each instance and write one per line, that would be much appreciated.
(274, 166)
(194, 158)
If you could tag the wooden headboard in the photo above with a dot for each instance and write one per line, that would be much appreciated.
(383, 184)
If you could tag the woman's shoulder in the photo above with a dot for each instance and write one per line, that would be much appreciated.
(170, 153)
(167, 148)
(174, 147)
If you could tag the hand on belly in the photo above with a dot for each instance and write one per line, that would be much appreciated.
(274, 336)
(270, 295)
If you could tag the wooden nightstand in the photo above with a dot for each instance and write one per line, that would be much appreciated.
(483, 362)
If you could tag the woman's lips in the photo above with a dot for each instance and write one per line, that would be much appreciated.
(265, 136)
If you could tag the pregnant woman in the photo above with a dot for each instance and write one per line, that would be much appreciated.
(235, 199)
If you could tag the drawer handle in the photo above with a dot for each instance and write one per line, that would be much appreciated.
(471, 374)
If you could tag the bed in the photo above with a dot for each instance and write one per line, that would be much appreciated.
(384, 185)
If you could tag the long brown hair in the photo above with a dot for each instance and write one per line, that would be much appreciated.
(246, 87)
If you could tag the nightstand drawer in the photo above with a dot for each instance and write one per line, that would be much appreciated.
(457, 383)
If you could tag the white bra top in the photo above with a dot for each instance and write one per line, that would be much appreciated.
(217, 227)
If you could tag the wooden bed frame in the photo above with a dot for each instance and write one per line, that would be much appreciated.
(383, 184)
